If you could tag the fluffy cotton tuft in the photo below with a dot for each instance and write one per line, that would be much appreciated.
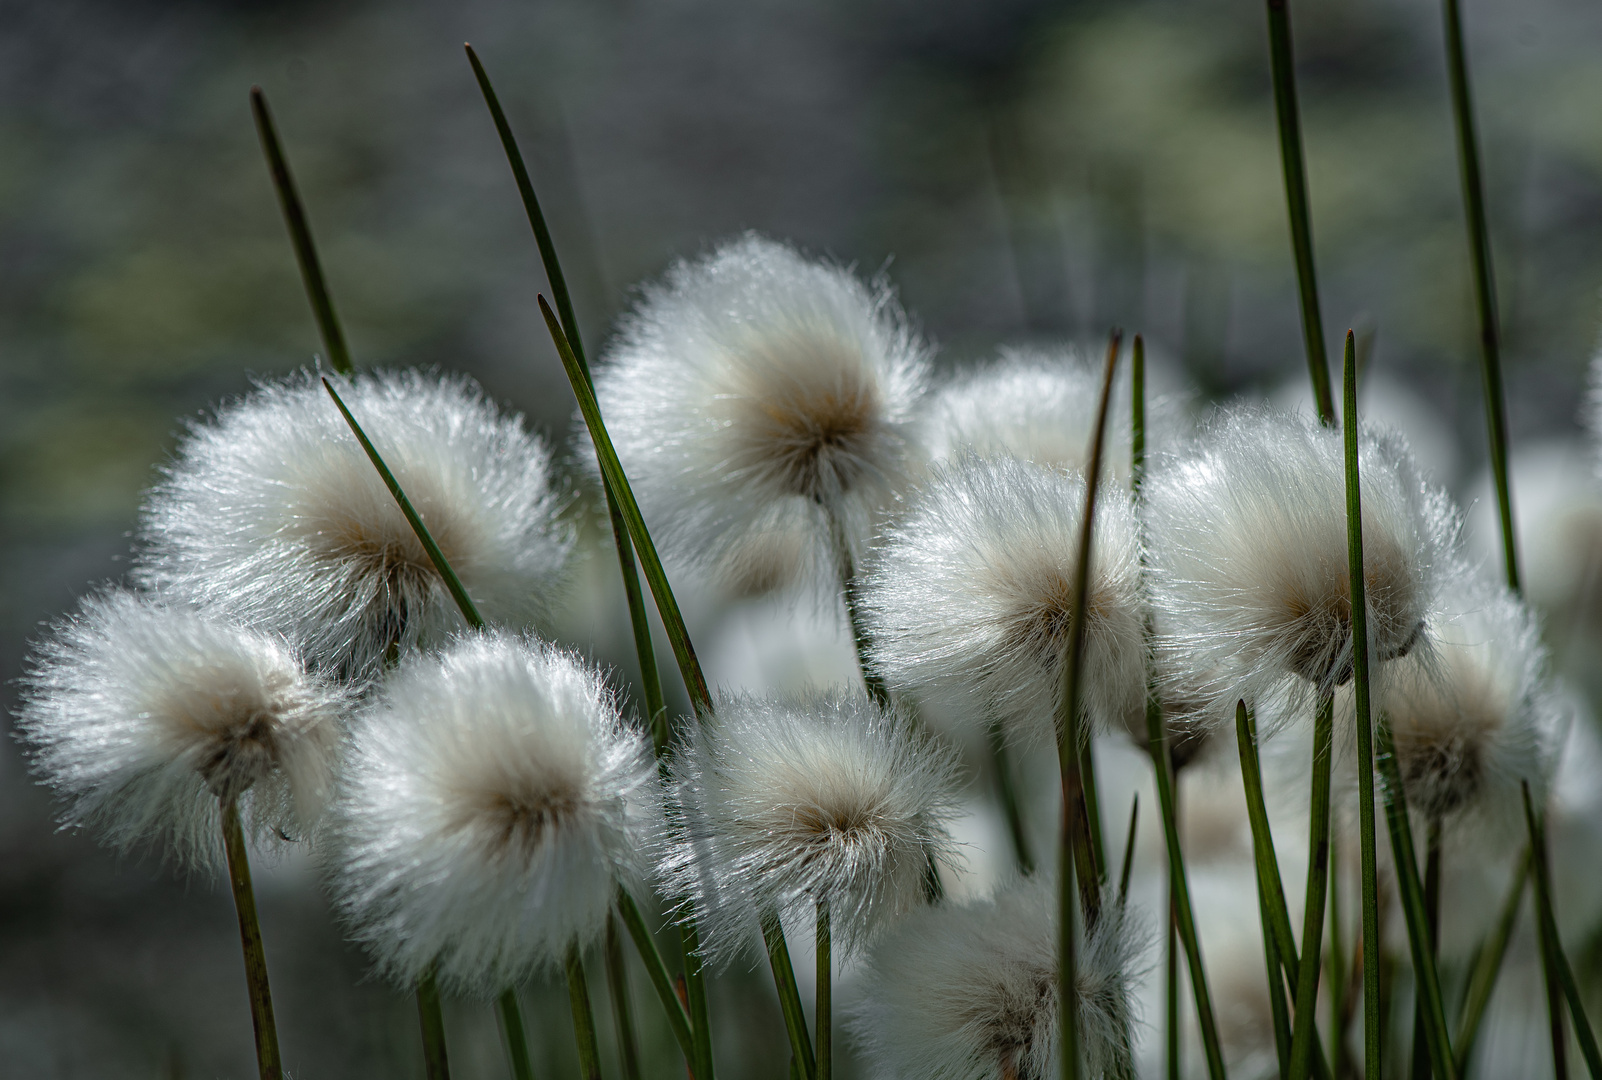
(969, 992)
(144, 716)
(273, 513)
(973, 592)
(1474, 716)
(756, 392)
(493, 802)
(1032, 404)
(1247, 548)
(785, 802)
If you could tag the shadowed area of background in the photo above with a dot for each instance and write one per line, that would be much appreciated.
(1024, 170)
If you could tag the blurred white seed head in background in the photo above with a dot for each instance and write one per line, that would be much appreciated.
(273, 513)
(493, 801)
(782, 802)
(969, 992)
(971, 594)
(142, 716)
(755, 393)
(1247, 548)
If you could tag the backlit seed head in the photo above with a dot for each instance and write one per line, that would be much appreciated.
(493, 803)
(273, 513)
(972, 594)
(755, 389)
(142, 716)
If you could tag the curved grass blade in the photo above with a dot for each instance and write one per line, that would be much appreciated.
(655, 576)
(311, 269)
(1488, 964)
(1553, 944)
(1129, 851)
(795, 1021)
(1304, 1024)
(1291, 161)
(678, 1018)
(1006, 787)
(1367, 837)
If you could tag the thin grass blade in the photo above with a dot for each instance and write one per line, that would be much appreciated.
(1129, 851)
(795, 1021)
(511, 1013)
(656, 970)
(311, 269)
(617, 986)
(1488, 965)
(1554, 944)
(578, 997)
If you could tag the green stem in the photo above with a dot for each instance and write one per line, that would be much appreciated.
(261, 995)
(1129, 851)
(1290, 155)
(1137, 420)
(1305, 1031)
(1172, 1034)
(795, 1021)
(1276, 986)
(1552, 944)
(1092, 811)
(1007, 790)
(311, 270)
(1432, 922)
(436, 1064)
(846, 569)
(1468, 160)
(516, 1037)
(661, 982)
(695, 997)
(823, 1017)
(1488, 964)
(617, 984)
(1337, 960)
(1426, 978)
(1363, 719)
(578, 996)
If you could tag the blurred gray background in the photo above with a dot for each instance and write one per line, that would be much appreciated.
(1025, 170)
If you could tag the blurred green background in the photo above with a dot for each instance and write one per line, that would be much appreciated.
(1025, 170)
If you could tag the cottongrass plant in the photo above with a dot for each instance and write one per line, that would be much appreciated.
(971, 594)
(272, 513)
(824, 806)
(969, 991)
(158, 724)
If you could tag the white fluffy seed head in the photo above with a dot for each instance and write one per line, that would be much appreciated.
(143, 716)
(273, 513)
(972, 592)
(1032, 404)
(1473, 715)
(753, 390)
(781, 803)
(1247, 548)
(969, 992)
(493, 801)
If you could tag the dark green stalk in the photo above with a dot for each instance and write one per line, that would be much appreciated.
(651, 680)
(1363, 718)
(1432, 922)
(578, 996)
(650, 562)
(1276, 986)
(617, 984)
(1129, 851)
(1337, 960)
(1092, 813)
(1173, 1042)
(1290, 155)
(1551, 943)
(1468, 160)
(261, 995)
(516, 1038)
(645, 943)
(846, 569)
(1069, 755)
(1137, 420)
(824, 1010)
(1488, 964)
(1006, 788)
(1426, 978)
(1305, 1030)
(795, 1021)
(436, 1063)
(311, 270)
(695, 998)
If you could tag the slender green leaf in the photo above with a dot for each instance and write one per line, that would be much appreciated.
(1129, 850)
(1301, 223)
(1278, 926)
(1553, 944)
(1488, 964)
(656, 970)
(311, 270)
(1006, 788)
(617, 985)
(795, 1021)
(1363, 718)
(1304, 1031)
(578, 997)
(516, 1037)
(436, 1062)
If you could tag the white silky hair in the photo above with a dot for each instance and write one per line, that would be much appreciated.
(780, 803)
(971, 594)
(273, 513)
(969, 991)
(493, 802)
(142, 716)
(1475, 715)
(1247, 547)
(757, 393)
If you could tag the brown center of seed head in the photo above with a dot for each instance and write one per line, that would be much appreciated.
(803, 411)
(1318, 623)
(1008, 1015)
(238, 751)
(516, 823)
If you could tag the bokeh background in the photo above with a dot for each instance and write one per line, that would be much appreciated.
(1024, 170)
